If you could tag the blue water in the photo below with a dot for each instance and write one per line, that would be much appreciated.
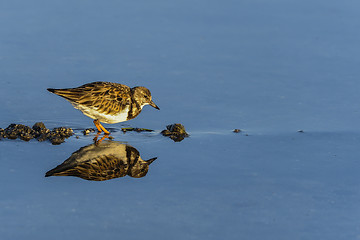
(269, 68)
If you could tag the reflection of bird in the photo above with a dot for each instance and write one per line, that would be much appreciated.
(107, 102)
(107, 160)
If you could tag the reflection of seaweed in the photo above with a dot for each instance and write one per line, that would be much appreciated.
(107, 160)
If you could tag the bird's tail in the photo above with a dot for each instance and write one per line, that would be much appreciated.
(53, 90)
(67, 93)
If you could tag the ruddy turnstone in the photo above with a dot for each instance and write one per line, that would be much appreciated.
(107, 102)
(109, 159)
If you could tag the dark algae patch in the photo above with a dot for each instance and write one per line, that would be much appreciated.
(136, 130)
(38, 131)
(175, 131)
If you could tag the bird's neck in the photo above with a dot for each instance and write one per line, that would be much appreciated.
(134, 110)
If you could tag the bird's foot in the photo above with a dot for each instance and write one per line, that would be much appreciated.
(100, 127)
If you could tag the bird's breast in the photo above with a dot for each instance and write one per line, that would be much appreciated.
(118, 117)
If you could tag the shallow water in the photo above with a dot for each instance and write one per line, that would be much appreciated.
(268, 68)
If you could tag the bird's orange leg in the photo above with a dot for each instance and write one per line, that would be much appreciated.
(100, 127)
(104, 129)
(97, 125)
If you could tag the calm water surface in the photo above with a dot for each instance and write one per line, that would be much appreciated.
(269, 68)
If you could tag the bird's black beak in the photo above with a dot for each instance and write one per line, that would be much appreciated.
(154, 105)
(150, 160)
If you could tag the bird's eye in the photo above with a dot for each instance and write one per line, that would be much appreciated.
(146, 96)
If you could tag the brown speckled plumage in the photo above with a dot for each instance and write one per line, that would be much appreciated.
(107, 102)
(109, 159)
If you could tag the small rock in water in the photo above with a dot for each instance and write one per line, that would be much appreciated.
(175, 131)
(56, 140)
(63, 132)
(88, 130)
(42, 137)
(58, 135)
(14, 131)
(39, 126)
(11, 135)
(41, 131)
(26, 137)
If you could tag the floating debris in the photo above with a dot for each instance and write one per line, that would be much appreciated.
(136, 130)
(38, 131)
(175, 131)
(236, 130)
(300, 131)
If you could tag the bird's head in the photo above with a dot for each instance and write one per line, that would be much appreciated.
(143, 96)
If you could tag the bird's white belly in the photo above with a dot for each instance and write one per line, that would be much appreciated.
(105, 118)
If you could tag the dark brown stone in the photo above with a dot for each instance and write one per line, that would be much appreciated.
(175, 131)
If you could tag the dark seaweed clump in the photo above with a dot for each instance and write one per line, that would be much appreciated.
(136, 130)
(176, 132)
(38, 131)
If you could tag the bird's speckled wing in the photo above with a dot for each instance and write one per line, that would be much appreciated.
(98, 169)
(109, 159)
(104, 97)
